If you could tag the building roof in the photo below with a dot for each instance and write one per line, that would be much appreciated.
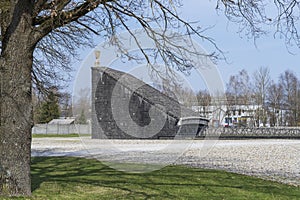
(62, 121)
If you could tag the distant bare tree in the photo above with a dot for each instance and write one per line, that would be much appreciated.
(233, 90)
(239, 89)
(262, 80)
(290, 86)
(204, 100)
(187, 96)
(275, 101)
(65, 102)
(82, 104)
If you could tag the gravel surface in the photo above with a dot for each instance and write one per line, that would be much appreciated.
(271, 159)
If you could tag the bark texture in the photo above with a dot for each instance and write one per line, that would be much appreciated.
(15, 107)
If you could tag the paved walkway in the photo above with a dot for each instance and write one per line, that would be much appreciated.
(273, 159)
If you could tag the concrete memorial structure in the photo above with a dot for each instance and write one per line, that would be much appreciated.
(124, 107)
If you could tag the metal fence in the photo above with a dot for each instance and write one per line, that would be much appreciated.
(61, 129)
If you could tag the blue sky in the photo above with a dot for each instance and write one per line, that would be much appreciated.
(240, 51)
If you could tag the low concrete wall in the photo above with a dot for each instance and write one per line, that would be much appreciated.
(244, 133)
(221, 133)
(61, 129)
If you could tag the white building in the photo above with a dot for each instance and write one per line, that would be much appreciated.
(236, 115)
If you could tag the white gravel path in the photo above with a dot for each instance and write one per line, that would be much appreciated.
(272, 159)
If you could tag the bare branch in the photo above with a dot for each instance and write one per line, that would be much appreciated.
(255, 17)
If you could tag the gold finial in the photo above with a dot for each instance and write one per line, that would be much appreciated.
(97, 55)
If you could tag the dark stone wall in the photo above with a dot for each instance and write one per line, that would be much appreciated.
(123, 107)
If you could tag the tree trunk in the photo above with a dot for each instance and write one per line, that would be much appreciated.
(16, 123)
(16, 117)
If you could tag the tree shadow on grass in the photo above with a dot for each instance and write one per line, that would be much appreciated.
(174, 182)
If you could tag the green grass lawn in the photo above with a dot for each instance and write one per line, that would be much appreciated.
(79, 178)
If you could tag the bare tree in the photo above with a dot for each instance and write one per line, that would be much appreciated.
(233, 90)
(239, 95)
(290, 85)
(65, 102)
(275, 102)
(82, 104)
(262, 80)
(261, 83)
(38, 40)
(239, 89)
(203, 97)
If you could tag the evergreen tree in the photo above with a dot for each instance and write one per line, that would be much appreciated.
(49, 109)
(82, 118)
